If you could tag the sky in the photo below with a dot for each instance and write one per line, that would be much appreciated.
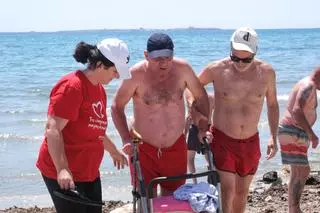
(60, 15)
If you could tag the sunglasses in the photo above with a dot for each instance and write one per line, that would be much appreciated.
(243, 60)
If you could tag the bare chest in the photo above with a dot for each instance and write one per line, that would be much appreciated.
(242, 87)
(162, 93)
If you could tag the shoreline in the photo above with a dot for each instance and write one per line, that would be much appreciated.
(263, 197)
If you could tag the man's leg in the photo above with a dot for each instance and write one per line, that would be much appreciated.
(298, 177)
(241, 193)
(228, 190)
(191, 166)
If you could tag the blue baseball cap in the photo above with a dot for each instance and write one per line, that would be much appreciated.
(160, 45)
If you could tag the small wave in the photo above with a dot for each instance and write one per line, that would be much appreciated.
(26, 175)
(283, 97)
(35, 90)
(263, 124)
(13, 111)
(19, 138)
(22, 111)
(36, 120)
(114, 173)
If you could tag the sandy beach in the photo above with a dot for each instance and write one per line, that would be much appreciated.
(110, 205)
(275, 198)
(263, 197)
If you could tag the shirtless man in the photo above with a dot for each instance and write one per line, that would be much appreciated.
(295, 134)
(156, 88)
(241, 82)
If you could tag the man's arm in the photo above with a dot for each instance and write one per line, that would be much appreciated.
(200, 98)
(195, 114)
(297, 112)
(206, 76)
(272, 105)
(273, 113)
(211, 106)
(54, 127)
(122, 97)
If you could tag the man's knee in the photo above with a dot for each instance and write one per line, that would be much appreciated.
(305, 172)
(228, 190)
(242, 190)
(300, 171)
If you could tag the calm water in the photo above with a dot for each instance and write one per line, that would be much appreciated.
(33, 62)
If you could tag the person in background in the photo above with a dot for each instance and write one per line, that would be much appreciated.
(191, 130)
(295, 134)
(75, 132)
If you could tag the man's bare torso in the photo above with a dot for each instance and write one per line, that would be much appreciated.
(239, 98)
(159, 109)
(309, 109)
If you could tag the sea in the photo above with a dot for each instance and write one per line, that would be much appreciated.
(32, 62)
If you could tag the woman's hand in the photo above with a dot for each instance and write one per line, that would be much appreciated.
(119, 159)
(65, 179)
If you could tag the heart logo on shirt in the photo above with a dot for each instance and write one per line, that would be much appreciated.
(97, 109)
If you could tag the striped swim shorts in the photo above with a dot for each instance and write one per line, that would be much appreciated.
(294, 145)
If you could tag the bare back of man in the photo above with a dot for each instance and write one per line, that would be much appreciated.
(309, 109)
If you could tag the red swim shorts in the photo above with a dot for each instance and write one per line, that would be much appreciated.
(170, 161)
(239, 156)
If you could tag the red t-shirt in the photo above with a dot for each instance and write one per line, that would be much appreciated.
(76, 99)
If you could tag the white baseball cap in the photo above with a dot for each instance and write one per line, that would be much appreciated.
(245, 38)
(116, 51)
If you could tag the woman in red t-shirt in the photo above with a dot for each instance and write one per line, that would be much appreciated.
(75, 135)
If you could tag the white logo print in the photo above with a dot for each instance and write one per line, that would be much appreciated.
(97, 109)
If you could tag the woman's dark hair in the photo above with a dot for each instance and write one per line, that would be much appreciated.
(87, 53)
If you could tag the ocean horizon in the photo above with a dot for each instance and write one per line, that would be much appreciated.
(152, 29)
(32, 62)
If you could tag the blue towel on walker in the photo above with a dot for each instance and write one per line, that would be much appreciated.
(201, 196)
